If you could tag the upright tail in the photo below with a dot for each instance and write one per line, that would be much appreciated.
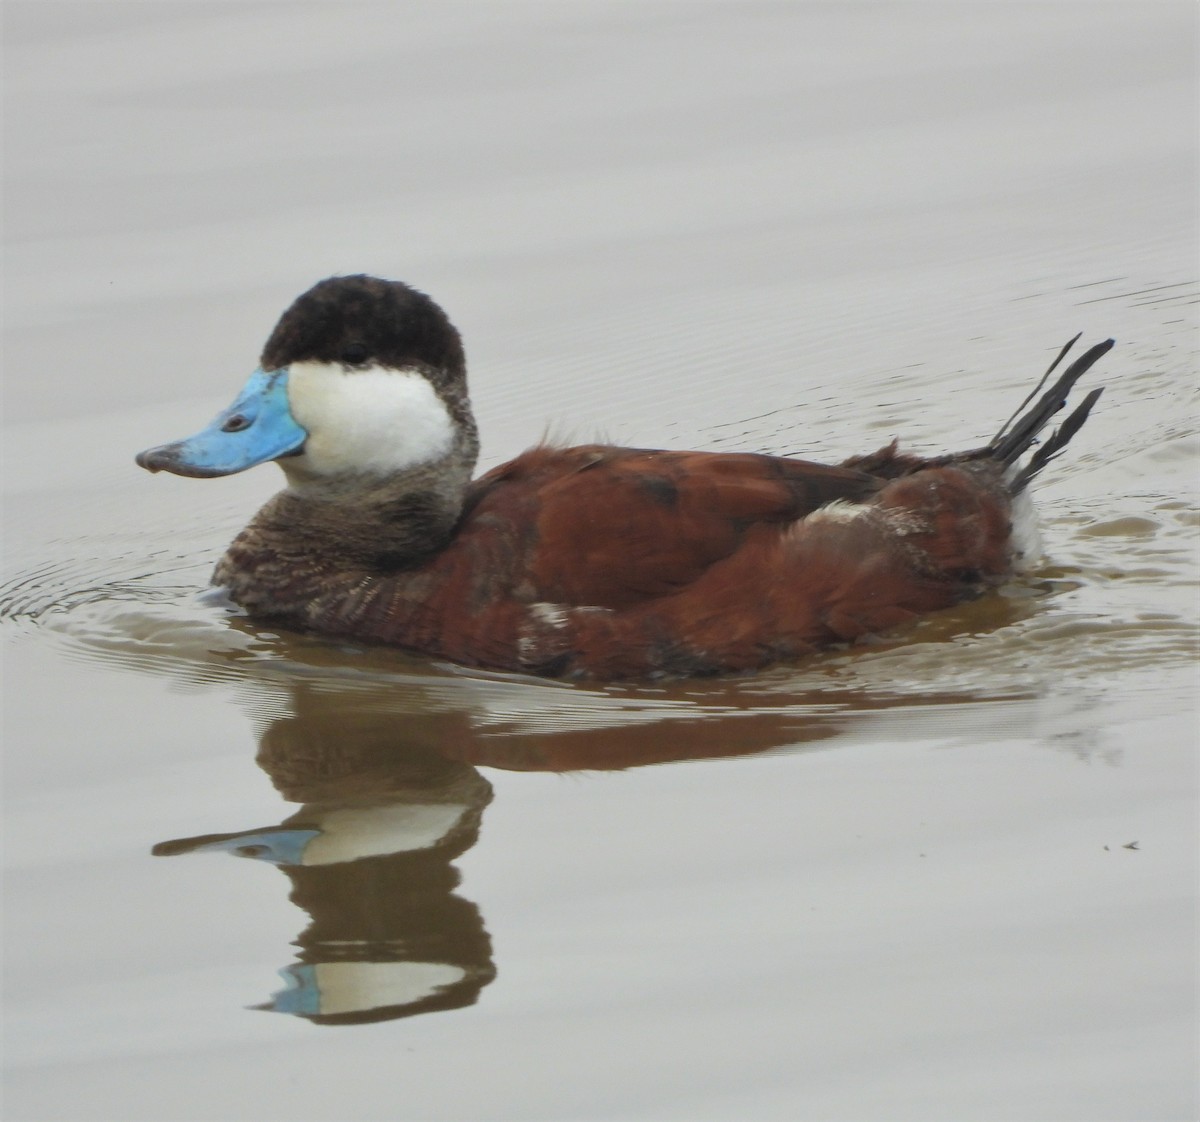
(1020, 432)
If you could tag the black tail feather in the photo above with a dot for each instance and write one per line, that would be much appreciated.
(1010, 443)
(1053, 447)
(1038, 388)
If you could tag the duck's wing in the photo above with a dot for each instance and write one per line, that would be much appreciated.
(614, 527)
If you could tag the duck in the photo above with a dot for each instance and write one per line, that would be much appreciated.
(590, 561)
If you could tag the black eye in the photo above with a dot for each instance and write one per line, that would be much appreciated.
(236, 423)
(354, 354)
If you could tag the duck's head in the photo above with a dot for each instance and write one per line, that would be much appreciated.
(362, 379)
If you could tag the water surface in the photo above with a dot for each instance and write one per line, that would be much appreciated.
(947, 875)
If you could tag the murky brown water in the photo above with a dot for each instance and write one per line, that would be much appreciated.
(948, 875)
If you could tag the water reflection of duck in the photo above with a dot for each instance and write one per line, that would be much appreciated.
(369, 857)
(391, 799)
(593, 561)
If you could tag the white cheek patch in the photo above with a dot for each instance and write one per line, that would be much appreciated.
(373, 422)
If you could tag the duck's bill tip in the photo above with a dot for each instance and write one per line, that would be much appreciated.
(148, 460)
(178, 459)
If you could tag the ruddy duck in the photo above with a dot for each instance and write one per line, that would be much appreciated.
(592, 561)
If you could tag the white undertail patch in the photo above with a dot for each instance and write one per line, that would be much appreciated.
(1026, 535)
(375, 421)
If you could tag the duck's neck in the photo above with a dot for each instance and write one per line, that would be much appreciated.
(392, 524)
(314, 531)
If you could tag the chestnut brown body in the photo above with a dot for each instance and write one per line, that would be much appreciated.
(618, 563)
